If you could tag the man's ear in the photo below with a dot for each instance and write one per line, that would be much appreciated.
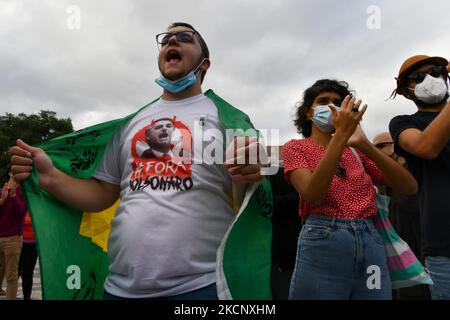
(205, 65)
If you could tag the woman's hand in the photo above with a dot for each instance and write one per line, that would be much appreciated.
(347, 119)
(5, 193)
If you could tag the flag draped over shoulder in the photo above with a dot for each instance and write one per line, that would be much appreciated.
(72, 265)
(244, 257)
(72, 244)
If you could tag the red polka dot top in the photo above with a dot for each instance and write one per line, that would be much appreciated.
(351, 195)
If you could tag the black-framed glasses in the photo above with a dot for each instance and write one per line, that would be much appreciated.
(182, 36)
(436, 71)
(381, 145)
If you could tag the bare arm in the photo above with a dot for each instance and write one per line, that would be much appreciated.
(314, 186)
(429, 143)
(89, 195)
(84, 194)
(394, 175)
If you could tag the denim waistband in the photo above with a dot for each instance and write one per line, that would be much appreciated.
(340, 222)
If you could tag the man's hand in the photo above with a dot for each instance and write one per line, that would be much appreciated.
(22, 160)
(243, 160)
(246, 173)
(89, 195)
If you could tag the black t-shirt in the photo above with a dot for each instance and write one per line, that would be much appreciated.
(286, 222)
(433, 178)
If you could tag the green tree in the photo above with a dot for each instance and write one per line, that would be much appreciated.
(33, 128)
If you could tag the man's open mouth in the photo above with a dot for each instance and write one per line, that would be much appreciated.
(173, 56)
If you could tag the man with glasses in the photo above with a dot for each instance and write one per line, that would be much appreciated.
(383, 142)
(423, 139)
(164, 240)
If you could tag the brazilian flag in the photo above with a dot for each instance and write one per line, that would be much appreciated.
(72, 245)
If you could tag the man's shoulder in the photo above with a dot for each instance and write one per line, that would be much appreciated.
(401, 122)
(230, 116)
(219, 101)
(404, 117)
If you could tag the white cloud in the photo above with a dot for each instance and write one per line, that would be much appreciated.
(264, 54)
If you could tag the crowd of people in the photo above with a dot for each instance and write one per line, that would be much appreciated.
(163, 243)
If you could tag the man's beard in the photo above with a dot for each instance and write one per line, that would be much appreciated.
(179, 76)
(173, 77)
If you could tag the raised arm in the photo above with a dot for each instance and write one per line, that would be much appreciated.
(394, 175)
(427, 144)
(85, 194)
(313, 186)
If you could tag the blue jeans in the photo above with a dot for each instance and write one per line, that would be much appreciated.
(340, 259)
(439, 269)
(205, 293)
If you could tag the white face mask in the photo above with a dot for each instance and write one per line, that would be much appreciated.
(431, 90)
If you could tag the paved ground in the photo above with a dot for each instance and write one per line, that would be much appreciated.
(36, 293)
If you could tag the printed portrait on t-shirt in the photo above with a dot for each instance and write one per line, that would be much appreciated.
(162, 156)
(158, 136)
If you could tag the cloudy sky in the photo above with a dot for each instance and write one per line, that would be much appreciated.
(264, 53)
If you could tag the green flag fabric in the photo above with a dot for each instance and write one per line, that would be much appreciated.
(74, 266)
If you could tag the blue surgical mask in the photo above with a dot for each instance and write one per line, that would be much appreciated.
(181, 84)
(322, 118)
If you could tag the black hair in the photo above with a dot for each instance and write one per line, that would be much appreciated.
(153, 124)
(304, 126)
(205, 50)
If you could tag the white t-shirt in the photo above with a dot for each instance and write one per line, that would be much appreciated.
(173, 212)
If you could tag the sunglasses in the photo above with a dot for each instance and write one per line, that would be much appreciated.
(436, 71)
(182, 36)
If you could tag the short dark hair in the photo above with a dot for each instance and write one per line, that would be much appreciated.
(151, 125)
(205, 50)
(304, 126)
